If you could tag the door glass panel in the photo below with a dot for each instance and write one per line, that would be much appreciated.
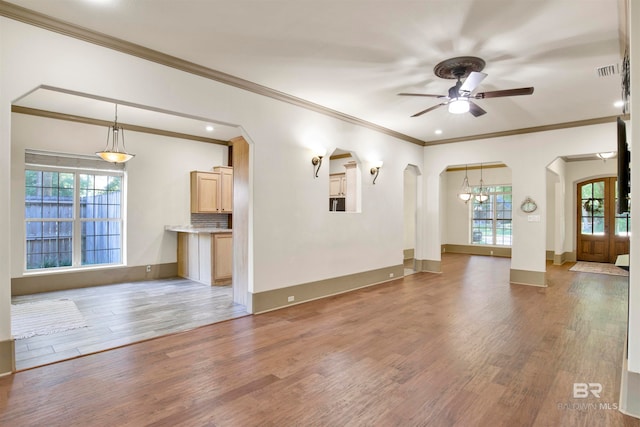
(622, 225)
(598, 225)
(593, 208)
(598, 190)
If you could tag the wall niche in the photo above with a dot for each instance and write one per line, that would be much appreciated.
(344, 181)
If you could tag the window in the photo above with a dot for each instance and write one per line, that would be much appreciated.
(491, 220)
(623, 221)
(73, 217)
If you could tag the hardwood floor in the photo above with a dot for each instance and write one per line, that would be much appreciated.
(126, 313)
(461, 348)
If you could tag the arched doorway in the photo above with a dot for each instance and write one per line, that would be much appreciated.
(410, 201)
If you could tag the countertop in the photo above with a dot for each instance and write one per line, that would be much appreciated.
(195, 230)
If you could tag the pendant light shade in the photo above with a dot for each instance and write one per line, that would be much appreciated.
(115, 151)
(481, 196)
(465, 190)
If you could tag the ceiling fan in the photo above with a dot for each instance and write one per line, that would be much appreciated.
(459, 97)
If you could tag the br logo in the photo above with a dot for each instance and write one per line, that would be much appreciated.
(583, 390)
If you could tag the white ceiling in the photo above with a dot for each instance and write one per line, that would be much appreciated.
(355, 56)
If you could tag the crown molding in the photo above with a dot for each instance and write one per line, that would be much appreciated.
(105, 123)
(40, 20)
(521, 131)
(488, 166)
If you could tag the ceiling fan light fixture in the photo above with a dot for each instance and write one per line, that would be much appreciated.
(459, 106)
(607, 155)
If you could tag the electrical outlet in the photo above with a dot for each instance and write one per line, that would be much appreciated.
(148, 269)
(491, 253)
(291, 298)
(390, 274)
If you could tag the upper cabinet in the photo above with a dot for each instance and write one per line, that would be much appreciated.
(337, 185)
(226, 188)
(212, 192)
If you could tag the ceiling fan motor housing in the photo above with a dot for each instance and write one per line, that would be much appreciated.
(459, 67)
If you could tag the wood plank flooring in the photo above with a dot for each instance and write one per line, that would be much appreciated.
(125, 313)
(461, 348)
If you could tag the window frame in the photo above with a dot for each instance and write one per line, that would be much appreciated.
(76, 220)
(493, 193)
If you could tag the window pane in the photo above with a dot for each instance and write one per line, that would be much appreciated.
(49, 244)
(48, 194)
(100, 196)
(503, 232)
(101, 242)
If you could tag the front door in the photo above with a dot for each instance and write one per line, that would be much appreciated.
(602, 233)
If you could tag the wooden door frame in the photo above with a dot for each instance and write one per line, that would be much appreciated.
(610, 239)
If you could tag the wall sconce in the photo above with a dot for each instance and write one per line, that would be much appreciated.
(375, 170)
(316, 161)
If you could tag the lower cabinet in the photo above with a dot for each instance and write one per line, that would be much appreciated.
(206, 257)
(222, 258)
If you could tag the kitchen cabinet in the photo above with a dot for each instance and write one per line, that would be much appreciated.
(212, 192)
(226, 188)
(337, 185)
(206, 257)
(222, 258)
(351, 192)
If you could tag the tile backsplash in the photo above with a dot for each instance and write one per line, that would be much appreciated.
(210, 220)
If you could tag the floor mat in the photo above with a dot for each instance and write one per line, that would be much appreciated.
(44, 318)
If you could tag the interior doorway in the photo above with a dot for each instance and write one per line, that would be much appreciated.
(410, 218)
(602, 234)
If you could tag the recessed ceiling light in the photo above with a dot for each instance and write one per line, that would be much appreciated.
(438, 132)
(209, 128)
(618, 104)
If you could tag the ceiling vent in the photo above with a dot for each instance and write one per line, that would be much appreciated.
(607, 70)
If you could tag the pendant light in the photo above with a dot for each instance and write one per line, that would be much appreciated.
(481, 196)
(465, 190)
(112, 153)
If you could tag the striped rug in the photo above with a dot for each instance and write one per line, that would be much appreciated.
(44, 318)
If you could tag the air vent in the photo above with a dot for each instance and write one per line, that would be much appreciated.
(607, 70)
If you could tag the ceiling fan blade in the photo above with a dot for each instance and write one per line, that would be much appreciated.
(472, 82)
(501, 93)
(429, 109)
(422, 94)
(475, 109)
